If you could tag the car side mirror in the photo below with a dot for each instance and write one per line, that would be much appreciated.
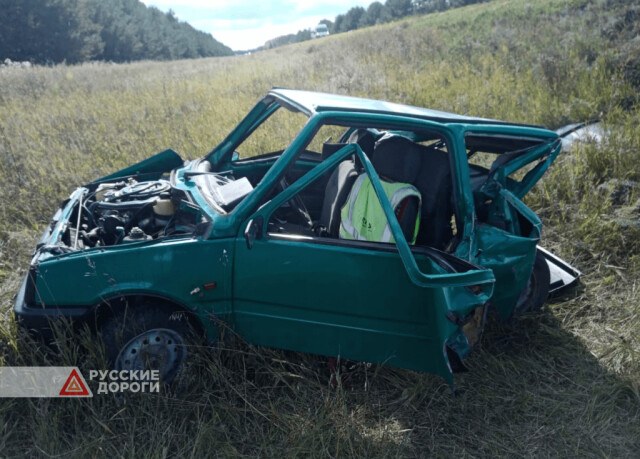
(253, 231)
(235, 156)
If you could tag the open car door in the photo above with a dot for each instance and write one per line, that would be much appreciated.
(389, 303)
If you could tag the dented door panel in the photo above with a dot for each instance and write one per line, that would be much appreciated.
(509, 252)
(351, 302)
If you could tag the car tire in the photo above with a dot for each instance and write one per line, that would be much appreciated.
(534, 295)
(148, 337)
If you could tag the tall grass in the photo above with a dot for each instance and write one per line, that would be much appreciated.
(563, 383)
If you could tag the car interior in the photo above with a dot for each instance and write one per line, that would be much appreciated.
(419, 159)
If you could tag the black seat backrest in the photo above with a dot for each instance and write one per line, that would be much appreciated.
(430, 173)
(363, 137)
(367, 141)
(435, 183)
(398, 159)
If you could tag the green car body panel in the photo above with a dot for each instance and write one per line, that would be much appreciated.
(388, 303)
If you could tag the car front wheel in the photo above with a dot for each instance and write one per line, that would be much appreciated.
(147, 337)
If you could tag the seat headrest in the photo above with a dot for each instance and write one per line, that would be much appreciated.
(365, 138)
(397, 158)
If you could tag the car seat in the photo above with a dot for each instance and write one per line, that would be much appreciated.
(341, 181)
(435, 183)
(397, 162)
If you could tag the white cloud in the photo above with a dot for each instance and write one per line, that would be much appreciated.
(245, 24)
(301, 5)
(341, 6)
(241, 35)
(166, 4)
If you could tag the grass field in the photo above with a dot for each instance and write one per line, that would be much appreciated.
(564, 383)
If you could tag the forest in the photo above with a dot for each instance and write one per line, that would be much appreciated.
(380, 13)
(376, 13)
(72, 31)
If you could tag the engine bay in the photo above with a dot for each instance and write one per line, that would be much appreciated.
(127, 211)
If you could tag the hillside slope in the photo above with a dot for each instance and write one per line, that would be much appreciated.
(564, 383)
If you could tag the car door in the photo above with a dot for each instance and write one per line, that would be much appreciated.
(360, 300)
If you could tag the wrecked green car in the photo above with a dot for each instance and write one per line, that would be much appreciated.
(324, 224)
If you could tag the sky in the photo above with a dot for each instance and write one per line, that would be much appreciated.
(247, 24)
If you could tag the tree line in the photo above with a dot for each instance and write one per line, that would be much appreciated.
(377, 13)
(52, 31)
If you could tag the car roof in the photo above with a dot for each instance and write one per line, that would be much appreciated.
(312, 102)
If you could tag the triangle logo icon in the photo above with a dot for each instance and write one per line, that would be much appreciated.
(74, 386)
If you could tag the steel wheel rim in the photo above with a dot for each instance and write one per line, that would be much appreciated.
(159, 349)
